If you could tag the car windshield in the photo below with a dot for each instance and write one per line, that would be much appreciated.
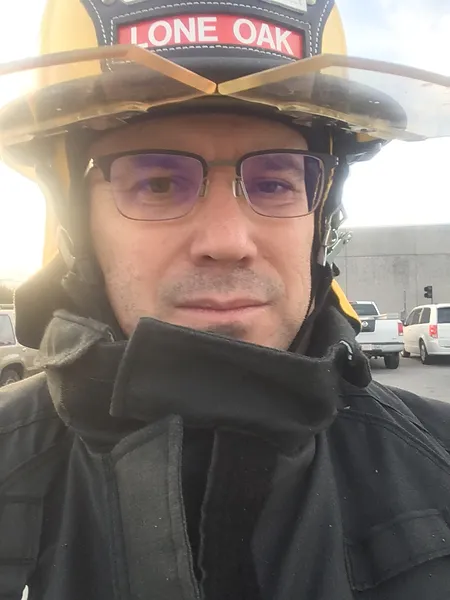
(443, 315)
(6, 331)
(364, 310)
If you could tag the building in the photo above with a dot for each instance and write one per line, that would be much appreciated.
(392, 265)
(12, 284)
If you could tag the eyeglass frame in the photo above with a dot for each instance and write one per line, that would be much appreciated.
(329, 162)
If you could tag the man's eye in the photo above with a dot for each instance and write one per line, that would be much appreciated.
(271, 186)
(157, 185)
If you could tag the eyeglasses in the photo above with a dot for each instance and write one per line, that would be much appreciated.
(160, 185)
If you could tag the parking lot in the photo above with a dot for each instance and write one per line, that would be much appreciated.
(432, 381)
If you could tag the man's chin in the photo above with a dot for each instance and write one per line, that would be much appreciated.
(250, 326)
(235, 331)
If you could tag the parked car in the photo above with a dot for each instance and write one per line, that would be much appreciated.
(16, 361)
(427, 332)
(381, 335)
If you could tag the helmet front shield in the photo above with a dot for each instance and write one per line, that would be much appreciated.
(102, 87)
(383, 100)
(92, 88)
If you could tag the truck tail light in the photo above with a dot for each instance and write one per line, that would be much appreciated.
(400, 328)
(433, 330)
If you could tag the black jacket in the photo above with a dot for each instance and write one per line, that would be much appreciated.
(182, 465)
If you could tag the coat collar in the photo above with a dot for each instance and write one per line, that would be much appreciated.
(104, 389)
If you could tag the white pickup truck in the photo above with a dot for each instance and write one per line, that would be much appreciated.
(381, 335)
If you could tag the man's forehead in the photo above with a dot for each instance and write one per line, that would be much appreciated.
(207, 134)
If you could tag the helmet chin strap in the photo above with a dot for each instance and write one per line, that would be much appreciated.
(325, 246)
(321, 278)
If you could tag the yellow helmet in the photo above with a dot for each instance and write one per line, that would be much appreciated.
(106, 62)
(95, 68)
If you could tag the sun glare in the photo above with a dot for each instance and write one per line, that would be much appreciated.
(22, 206)
(400, 180)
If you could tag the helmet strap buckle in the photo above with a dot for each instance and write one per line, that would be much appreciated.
(333, 239)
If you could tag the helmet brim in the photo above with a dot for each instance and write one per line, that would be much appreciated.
(103, 87)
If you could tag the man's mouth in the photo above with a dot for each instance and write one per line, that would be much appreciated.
(221, 305)
(207, 311)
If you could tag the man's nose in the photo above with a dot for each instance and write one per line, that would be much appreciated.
(224, 226)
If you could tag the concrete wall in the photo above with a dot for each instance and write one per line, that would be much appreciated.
(391, 265)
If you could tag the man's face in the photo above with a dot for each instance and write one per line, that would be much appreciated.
(222, 267)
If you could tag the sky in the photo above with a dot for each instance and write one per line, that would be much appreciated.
(404, 185)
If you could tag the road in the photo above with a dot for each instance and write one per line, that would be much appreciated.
(432, 381)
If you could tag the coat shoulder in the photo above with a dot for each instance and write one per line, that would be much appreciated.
(29, 424)
(431, 415)
(434, 415)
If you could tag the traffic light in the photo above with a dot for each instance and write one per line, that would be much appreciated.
(428, 289)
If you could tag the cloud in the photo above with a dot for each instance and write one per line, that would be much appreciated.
(405, 183)
(14, 47)
(411, 32)
(22, 225)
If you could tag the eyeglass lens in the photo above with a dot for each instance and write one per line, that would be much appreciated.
(154, 187)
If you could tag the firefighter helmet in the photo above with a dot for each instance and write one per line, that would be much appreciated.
(104, 63)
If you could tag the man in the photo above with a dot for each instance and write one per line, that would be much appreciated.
(205, 426)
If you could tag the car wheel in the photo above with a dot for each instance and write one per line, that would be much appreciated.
(392, 361)
(424, 356)
(9, 376)
(406, 354)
